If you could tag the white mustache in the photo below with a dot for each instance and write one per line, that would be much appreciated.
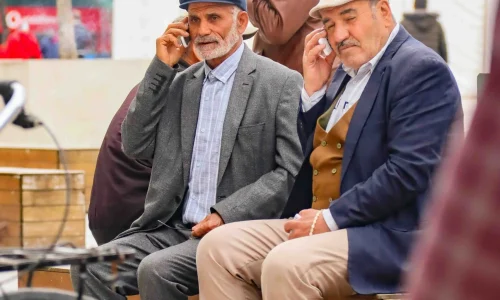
(347, 43)
(206, 39)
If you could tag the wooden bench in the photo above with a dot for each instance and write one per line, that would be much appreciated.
(58, 277)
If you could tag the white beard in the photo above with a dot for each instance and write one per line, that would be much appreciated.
(222, 47)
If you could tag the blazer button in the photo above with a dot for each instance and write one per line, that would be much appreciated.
(339, 145)
(315, 172)
(334, 171)
(330, 200)
(324, 143)
(314, 199)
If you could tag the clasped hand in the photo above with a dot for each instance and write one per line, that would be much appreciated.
(301, 227)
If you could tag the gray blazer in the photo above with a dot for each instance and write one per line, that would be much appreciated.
(260, 149)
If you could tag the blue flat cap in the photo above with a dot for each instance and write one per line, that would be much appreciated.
(240, 3)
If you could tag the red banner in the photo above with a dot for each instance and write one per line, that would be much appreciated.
(44, 18)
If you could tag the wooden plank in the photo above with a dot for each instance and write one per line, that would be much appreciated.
(10, 197)
(50, 229)
(31, 171)
(10, 182)
(52, 182)
(10, 241)
(48, 279)
(81, 155)
(33, 242)
(12, 229)
(88, 192)
(46, 198)
(88, 167)
(28, 158)
(52, 213)
(10, 213)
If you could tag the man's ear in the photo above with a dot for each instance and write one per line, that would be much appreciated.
(242, 21)
(386, 12)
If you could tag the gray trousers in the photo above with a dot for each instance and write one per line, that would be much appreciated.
(164, 267)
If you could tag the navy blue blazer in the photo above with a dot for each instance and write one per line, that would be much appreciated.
(394, 144)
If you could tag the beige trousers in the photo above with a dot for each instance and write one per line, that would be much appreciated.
(255, 260)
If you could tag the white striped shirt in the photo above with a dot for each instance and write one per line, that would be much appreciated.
(204, 171)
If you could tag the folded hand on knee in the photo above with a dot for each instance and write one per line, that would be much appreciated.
(302, 227)
(210, 222)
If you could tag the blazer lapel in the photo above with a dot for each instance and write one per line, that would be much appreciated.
(189, 117)
(365, 103)
(238, 100)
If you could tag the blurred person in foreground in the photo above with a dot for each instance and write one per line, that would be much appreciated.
(458, 254)
(373, 140)
(121, 182)
(425, 27)
(283, 26)
(222, 139)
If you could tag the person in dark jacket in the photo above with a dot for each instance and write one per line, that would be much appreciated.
(121, 182)
(425, 27)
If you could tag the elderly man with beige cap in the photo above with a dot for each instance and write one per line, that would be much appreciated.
(372, 138)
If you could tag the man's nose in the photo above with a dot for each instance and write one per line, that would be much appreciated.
(340, 34)
(204, 29)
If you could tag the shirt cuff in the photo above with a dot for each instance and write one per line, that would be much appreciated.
(309, 101)
(327, 215)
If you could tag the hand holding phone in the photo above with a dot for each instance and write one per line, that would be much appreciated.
(169, 47)
(328, 49)
(317, 60)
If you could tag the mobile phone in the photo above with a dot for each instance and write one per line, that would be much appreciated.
(186, 40)
(328, 49)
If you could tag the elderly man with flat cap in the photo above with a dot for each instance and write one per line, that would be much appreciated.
(373, 139)
(223, 143)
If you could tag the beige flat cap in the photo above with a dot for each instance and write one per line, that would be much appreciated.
(326, 4)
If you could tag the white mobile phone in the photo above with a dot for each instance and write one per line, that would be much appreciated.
(185, 40)
(328, 49)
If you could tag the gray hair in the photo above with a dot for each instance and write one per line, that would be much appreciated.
(179, 18)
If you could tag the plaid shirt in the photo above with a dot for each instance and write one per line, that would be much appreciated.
(215, 95)
(458, 257)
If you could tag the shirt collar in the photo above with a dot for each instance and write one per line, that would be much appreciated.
(224, 71)
(374, 61)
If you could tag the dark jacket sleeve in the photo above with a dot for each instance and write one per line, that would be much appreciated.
(279, 20)
(421, 114)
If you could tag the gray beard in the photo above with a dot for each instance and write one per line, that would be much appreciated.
(223, 47)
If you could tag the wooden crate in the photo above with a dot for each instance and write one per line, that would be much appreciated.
(32, 206)
(77, 159)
